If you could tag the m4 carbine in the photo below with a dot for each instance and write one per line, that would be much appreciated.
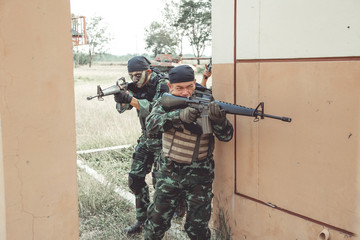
(200, 101)
(111, 90)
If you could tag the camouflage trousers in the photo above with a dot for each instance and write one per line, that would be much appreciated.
(173, 180)
(142, 163)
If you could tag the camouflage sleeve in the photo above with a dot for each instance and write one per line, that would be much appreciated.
(224, 131)
(145, 105)
(161, 121)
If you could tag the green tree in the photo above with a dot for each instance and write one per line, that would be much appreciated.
(195, 20)
(159, 39)
(80, 58)
(97, 36)
(171, 15)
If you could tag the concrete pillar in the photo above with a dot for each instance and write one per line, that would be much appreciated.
(38, 185)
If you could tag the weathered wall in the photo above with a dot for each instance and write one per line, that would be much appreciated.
(307, 169)
(268, 29)
(38, 157)
(316, 154)
(2, 191)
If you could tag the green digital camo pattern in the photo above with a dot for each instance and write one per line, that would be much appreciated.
(195, 180)
(141, 166)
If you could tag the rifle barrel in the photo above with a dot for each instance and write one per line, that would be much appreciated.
(285, 119)
(91, 97)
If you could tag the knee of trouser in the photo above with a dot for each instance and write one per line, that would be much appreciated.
(136, 183)
(140, 154)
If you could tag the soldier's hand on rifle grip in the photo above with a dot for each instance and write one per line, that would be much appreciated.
(216, 114)
(122, 97)
(189, 114)
(206, 73)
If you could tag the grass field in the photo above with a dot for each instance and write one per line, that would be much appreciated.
(102, 213)
(98, 124)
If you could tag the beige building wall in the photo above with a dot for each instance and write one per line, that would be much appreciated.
(38, 185)
(289, 180)
(2, 191)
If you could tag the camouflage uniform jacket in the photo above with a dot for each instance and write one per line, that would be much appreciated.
(146, 97)
(192, 181)
(160, 121)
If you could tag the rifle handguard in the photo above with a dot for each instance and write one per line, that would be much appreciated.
(169, 102)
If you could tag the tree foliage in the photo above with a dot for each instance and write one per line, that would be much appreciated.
(171, 15)
(189, 18)
(97, 36)
(159, 39)
(195, 20)
(80, 58)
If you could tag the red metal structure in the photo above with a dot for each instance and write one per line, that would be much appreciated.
(78, 26)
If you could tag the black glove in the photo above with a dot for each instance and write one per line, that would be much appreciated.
(122, 97)
(216, 114)
(189, 114)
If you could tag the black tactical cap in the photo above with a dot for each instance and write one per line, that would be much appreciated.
(138, 63)
(182, 73)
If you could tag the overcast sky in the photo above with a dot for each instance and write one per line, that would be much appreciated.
(127, 20)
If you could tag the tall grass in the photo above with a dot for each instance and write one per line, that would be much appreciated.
(102, 214)
(113, 165)
(100, 73)
(98, 124)
(221, 228)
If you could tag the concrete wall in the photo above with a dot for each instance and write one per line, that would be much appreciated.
(2, 190)
(307, 28)
(289, 180)
(38, 187)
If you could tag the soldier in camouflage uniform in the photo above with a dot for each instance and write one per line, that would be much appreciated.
(150, 84)
(186, 164)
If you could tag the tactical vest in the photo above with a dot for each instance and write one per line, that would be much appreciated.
(185, 146)
(149, 91)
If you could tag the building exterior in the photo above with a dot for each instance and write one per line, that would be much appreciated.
(274, 180)
(298, 180)
(38, 187)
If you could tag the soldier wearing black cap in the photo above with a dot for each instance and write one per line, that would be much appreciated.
(150, 84)
(186, 165)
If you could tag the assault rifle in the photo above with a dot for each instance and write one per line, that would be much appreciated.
(111, 90)
(200, 101)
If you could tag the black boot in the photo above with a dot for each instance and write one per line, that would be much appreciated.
(137, 228)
